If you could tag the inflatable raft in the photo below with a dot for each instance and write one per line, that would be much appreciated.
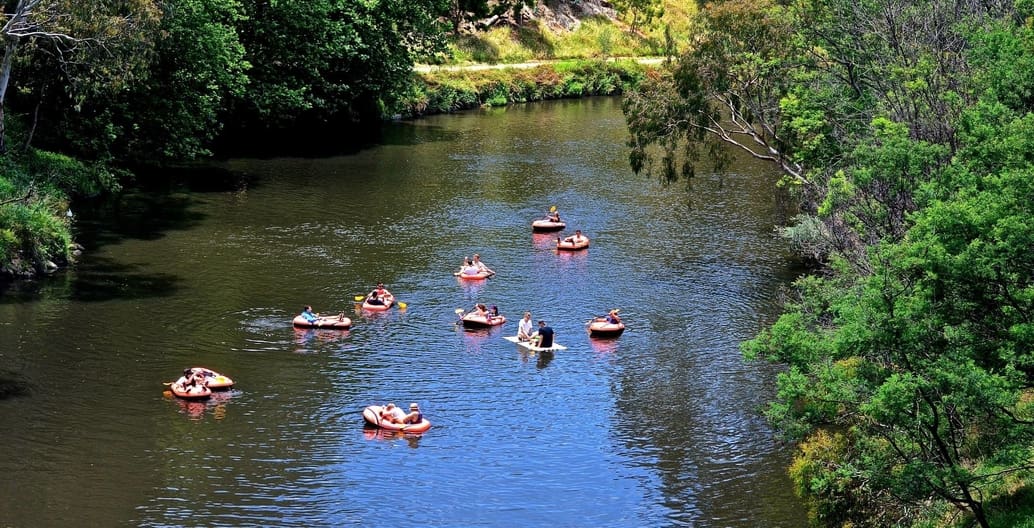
(181, 392)
(214, 380)
(528, 345)
(335, 322)
(474, 276)
(474, 320)
(378, 307)
(372, 415)
(566, 245)
(546, 225)
(605, 329)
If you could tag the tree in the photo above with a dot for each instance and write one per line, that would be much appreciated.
(914, 377)
(72, 33)
(175, 112)
(725, 90)
(641, 11)
(807, 87)
(316, 62)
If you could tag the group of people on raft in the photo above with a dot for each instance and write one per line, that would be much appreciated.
(193, 381)
(488, 313)
(576, 238)
(380, 296)
(394, 414)
(474, 266)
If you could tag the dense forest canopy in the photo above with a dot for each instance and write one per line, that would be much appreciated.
(904, 129)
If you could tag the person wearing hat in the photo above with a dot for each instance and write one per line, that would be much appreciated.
(414, 415)
(612, 317)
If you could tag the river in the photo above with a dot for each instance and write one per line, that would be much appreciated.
(660, 427)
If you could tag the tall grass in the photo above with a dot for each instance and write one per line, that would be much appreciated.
(596, 37)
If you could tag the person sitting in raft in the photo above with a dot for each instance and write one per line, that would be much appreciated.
(576, 238)
(380, 295)
(481, 266)
(468, 267)
(482, 310)
(611, 317)
(414, 415)
(392, 413)
(191, 381)
(553, 216)
(311, 318)
(543, 338)
(524, 329)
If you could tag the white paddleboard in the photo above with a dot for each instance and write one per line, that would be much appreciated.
(533, 348)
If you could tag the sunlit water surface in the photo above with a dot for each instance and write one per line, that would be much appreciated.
(661, 427)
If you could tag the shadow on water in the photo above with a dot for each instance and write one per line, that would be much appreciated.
(104, 279)
(12, 386)
(135, 216)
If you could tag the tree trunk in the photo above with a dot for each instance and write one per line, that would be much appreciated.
(10, 43)
(35, 120)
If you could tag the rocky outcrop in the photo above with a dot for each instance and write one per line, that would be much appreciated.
(557, 15)
(569, 15)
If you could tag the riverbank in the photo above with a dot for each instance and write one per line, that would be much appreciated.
(445, 89)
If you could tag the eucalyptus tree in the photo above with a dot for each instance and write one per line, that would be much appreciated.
(806, 86)
(87, 44)
(317, 62)
(904, 128)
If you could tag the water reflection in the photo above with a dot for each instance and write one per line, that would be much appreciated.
(311, 340)
(662, 423)
(412, 440)
(216, 405)
(542, 359)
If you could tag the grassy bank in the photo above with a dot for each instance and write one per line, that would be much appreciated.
(35, 220)
(447, 91)
(580, 62)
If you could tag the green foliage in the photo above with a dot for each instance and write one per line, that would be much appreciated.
(449, 91)
(639, 12)
(724, 91)
(596, 37)
(909, 362)
(323, 61)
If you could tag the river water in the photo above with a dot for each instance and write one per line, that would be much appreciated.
(660, 427)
